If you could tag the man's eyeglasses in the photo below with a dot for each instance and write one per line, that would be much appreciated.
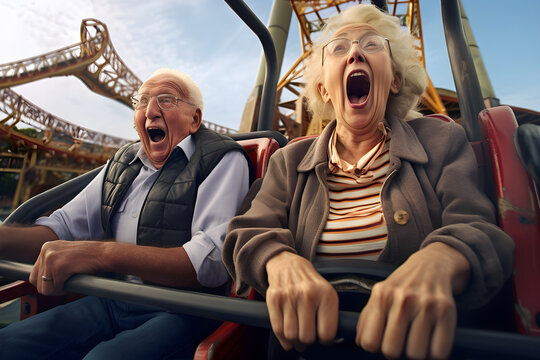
(165, 101)
(368, 44)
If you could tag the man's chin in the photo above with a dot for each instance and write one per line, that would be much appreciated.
(158, 158)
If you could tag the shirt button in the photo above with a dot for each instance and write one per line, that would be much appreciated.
(134, 215)
(401, 217)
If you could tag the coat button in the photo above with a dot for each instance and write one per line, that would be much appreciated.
(401, 217)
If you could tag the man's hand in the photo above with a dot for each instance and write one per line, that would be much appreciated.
(413, 310)
(302, 305)
(60, 259)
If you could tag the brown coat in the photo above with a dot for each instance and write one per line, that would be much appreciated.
(432, 177)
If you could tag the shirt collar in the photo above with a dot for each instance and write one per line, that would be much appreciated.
(187, 145)
(335, 162)
(405, 145)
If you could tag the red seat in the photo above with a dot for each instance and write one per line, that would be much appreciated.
(518, 210)
(259, 151)
(517, 202)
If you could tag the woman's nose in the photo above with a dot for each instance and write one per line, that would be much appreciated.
(355, 54)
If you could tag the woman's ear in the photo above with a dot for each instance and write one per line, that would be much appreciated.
(396, 83)
(196, 121)
(323, 92)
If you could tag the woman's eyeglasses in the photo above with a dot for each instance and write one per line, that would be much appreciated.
(368, 44)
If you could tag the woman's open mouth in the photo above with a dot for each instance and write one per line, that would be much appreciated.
(358, 86)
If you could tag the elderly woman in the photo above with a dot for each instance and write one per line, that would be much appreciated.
(380, 182)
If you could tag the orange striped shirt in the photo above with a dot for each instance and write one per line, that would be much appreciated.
(356, 226)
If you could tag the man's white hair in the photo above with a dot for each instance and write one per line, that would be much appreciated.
(185, 81)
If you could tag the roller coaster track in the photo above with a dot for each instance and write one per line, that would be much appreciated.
(94, 61)
(18, 110)
(312, 15)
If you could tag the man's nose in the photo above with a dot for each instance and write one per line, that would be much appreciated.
(355, 54)
(152, 109)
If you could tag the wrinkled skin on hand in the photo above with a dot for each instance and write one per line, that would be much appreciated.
(60, 259)
(302, 305)
(412, 312)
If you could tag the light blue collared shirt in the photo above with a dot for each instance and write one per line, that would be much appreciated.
(218, 198)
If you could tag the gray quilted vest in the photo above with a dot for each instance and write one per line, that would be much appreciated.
(167, 212)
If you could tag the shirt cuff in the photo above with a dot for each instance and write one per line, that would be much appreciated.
(58, 229)
(206, 260)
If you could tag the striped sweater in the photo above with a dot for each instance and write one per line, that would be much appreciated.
(356, 227)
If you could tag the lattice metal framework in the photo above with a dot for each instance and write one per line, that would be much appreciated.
(93, 60)
(18, 109)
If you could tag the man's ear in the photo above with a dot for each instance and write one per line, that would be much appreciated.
(323, 92)
(196, 121)
(396, 83)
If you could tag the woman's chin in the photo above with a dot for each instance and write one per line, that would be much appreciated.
(359, 121)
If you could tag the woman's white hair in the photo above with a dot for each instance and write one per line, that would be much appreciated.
(404, 58)
(185, 82)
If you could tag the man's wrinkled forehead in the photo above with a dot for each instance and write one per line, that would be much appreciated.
(164, 83)
(346, 30)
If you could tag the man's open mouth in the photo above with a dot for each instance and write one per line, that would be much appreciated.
(357, 87)
(155, 134)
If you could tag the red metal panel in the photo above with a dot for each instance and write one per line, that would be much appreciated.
(519, 214)
(259, 151)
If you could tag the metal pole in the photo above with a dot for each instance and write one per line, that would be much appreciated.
(270, 83)
(485, 83)
(278, 26)
(463, 69)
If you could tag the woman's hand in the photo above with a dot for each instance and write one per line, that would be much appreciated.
(302, 305)
(60, 259)
(413, 310)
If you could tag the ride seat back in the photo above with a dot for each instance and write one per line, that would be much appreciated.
(516, 199)
(259, 151)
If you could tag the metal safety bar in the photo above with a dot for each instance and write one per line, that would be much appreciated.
(255, 313)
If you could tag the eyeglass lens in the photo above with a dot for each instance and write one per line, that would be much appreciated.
(165, 101)
(368, 44)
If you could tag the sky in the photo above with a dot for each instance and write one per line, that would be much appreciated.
(207, 40)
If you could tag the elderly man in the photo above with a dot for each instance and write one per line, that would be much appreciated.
(160, 209)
